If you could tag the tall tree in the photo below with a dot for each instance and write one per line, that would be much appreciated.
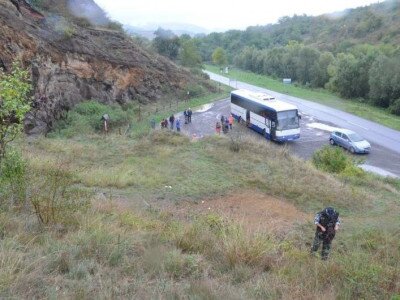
(166, 43)
(219, 57)
(189, 56)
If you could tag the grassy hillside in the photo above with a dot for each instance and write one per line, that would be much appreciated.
(157, 215)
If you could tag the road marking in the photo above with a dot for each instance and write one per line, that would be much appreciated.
(357, 125)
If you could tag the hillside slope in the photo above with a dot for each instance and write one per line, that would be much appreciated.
(374, 24)
(72, 63)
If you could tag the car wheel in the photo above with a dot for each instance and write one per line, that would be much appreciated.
(352, 151)
(332, 142)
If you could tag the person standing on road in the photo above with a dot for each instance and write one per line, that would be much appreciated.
(327, 222)
(230, 122)
(227, 124)
(185, 113)
(218, 128)
(178, 125)
(189, 113)
(171, 121)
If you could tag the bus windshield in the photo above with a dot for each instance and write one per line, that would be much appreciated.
(288, 120)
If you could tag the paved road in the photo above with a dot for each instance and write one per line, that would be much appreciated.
(374, 132)
(316, 125)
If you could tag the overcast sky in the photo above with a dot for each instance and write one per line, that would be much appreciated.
(219, 14)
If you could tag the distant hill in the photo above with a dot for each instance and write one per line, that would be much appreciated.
(375, 24)
(177, 28)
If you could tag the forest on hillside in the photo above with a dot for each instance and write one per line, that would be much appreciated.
(354, 53)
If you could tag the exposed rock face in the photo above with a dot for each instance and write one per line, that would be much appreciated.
(71, 64)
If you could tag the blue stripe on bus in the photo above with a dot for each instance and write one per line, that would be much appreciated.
(268, 136)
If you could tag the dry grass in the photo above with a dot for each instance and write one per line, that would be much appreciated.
(129, 246)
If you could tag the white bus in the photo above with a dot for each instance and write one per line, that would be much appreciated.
(275, 120)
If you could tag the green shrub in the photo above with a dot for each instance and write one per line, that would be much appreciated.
(195, 90)
(54, 198)
(82, 22)
(115, 26)
(333, 160)
(179, 265)
(13, 178)
(394, 108)
(85, 118)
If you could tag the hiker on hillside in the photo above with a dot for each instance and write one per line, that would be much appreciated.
(178, 125)
(105, 119)
(153, 123)
(327, 222)
(171, 121)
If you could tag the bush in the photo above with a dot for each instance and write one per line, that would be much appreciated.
(394, 108)
(82, 22)
(195, 90)
(334, 160)
(86, 118)
(54, 198)
(13, 178)
(115, 26)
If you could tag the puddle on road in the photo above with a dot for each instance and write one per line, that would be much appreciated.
(322, 127)
(203, 108)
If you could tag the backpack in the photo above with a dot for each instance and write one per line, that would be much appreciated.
(329, 217)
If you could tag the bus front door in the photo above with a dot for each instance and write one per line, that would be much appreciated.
(247, 117)
(273, 130)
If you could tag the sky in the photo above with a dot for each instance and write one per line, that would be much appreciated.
(219, 15)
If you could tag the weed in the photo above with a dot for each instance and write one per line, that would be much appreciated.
(53, 197)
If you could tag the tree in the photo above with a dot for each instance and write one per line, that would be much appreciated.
(14, 104)
(384, 80)
(219, 57)
(166, 43)
(189, 55)
(306, 62)
(320, 70)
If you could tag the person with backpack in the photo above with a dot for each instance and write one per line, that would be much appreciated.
(327, 222)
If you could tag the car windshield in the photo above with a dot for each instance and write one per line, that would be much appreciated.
(354, 137)
(288, 120)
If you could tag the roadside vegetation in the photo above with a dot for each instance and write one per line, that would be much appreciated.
(359, 108)
(84, 215)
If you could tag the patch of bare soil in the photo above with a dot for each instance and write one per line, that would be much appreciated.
(254, 210)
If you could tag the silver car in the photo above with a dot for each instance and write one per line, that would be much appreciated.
(350, 141)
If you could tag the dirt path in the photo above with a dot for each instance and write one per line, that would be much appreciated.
(255, 211)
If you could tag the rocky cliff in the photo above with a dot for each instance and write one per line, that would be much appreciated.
(71, 63)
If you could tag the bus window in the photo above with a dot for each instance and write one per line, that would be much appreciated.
(288, 120)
